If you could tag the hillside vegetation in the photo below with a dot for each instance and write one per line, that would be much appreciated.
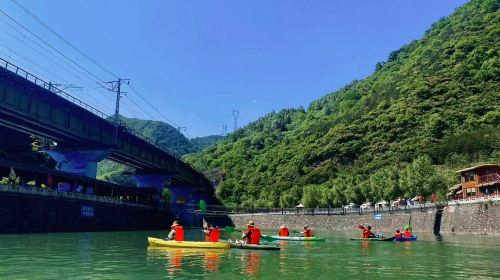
(428, 110)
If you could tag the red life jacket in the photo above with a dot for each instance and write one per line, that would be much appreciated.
(407, 233)
(398, 235)
(254, 236)
(214, 235)
(179, 233)
(367, 233)
(283, 232)
(308, 233)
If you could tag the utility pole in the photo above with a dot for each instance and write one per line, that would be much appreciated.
(236, 114)
(53, 86)
(115, 86)
(224, 130)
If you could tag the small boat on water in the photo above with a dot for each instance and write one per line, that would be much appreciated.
(186, 244)
(403, 239)
(293, 238)
(239, 245)
(374, 239)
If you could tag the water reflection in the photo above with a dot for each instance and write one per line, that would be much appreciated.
(179, 260)
(212, 260)
(250, 261)
(366, 247)
(124, 256)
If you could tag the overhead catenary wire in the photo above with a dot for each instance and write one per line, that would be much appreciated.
(40, 66)
(152, 107)
(76, 66)
(27, 11)
(50, 46)
(62, 38)
(91, 85)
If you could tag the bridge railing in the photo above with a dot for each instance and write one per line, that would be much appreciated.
(54, 89)
(68, 195)
(49, 86)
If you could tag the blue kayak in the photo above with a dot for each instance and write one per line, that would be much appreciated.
(403, 239)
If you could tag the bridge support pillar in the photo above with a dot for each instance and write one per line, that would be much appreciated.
(80, 162)
(151, 181)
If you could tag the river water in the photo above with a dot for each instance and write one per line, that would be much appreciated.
(125, 255)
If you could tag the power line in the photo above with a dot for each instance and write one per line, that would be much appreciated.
(26, 10)
(152, 107)
(79, 51)
(67, 85)
(87, 72)
(50, 46)
(62, 38)
(50, 52)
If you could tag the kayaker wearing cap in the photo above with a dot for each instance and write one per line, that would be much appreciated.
(307, 232)
(283, 231)
(176, 232)
(212, 234)
(252, 235)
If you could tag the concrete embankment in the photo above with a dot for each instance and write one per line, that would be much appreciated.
(478, 218)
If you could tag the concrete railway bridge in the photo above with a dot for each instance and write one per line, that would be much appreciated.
(85, 136)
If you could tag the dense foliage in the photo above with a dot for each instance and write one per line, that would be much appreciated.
(200, 143)
(431, 108)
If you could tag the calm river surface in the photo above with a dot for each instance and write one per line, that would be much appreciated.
(125, 255)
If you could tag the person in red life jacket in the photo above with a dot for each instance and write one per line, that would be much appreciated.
(213, 234)
(307, 232)
(367, 232)
(407, 232)
(176, 232)
(252, 235)
(398, 234)
(283, 231)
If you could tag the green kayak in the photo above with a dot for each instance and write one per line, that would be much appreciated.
(293, 238)
(374, 239)
(238, 245)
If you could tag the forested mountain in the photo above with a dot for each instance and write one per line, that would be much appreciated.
(432, 107)
(161, 134)
(201, 143)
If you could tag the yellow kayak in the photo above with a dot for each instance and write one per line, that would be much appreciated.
(186, 244)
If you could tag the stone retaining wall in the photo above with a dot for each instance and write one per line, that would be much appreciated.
(420, 221)
(478, 218)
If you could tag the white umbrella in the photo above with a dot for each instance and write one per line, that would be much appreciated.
(299, 206)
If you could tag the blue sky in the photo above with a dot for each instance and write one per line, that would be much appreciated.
(196, 61)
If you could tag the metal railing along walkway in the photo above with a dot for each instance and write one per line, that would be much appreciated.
(68, 195)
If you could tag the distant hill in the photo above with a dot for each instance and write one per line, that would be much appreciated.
(162, 134)
(201, 143)
(432, 107)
